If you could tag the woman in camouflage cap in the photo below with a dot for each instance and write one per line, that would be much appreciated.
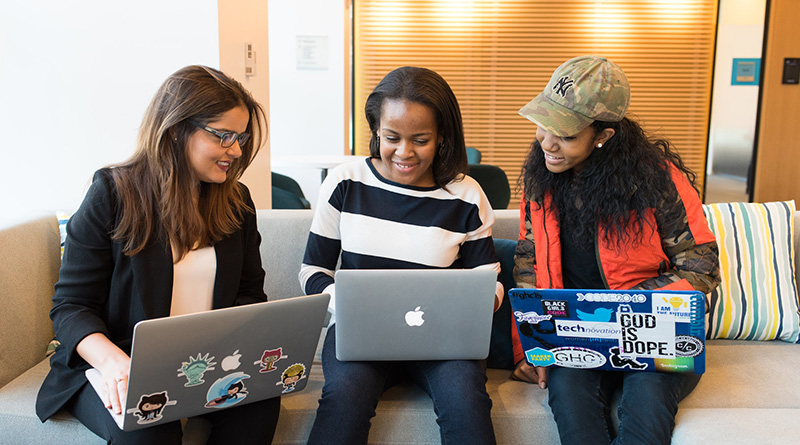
(607, 207)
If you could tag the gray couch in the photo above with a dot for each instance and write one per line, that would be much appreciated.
(749, 394)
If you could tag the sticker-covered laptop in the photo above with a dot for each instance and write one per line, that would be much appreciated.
(615, 330)
(414, 314)
(193, 364)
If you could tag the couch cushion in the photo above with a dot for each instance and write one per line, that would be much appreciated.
(757, 298)
(283, 242)
(31, 261)
(747, 374)
(18, 415)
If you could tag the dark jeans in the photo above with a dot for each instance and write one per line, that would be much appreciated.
(580, 400)
(352, 391)
(253, 423)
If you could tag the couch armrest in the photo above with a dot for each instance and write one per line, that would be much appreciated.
(31, 256)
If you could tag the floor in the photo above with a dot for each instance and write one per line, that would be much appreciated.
(725, 188)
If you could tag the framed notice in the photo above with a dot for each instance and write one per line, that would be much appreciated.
(745, 71)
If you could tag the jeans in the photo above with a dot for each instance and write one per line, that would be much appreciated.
(580, 400)
(352, 391)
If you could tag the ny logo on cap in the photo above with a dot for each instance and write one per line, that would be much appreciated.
(563, 85)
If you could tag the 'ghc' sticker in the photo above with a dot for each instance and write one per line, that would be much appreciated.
(574, 357)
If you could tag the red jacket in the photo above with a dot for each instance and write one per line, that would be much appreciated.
(677, 250)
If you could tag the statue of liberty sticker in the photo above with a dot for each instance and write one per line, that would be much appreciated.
(194, 369)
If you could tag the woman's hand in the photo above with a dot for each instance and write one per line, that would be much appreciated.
(113, 364)
(530, 374)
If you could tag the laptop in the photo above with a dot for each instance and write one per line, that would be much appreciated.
(193, 364)
(414, 314)
(614, 330)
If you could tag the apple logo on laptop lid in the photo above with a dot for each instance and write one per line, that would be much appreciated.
(414, 318)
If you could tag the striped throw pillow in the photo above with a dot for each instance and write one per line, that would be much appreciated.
(757, 298)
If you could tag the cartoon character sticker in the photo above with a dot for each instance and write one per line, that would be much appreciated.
(194, 369)
(227, 391)
(150, 407)
(291, 376)
(269, 358)
(619, 362)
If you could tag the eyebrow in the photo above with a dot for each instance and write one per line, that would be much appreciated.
(426, 133)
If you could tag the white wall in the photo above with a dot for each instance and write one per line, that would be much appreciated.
(240, 22)
(76, 78)
(307, 106)
(734, 107)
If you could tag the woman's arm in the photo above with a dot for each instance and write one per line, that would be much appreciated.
(113, 364)
(83, 287)
(324, 244)
(688, 243)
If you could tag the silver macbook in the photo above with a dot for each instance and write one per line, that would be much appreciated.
(414, 314)
(188, 365)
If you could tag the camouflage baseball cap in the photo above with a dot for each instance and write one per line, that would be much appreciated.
(582, 90)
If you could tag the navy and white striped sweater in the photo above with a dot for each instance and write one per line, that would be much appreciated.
(375, 223)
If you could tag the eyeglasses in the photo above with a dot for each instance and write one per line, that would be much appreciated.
(226, 138)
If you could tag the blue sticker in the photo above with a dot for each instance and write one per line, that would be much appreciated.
(540, 357)
(601, 314)
(227, 391)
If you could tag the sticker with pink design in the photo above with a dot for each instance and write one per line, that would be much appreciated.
(269, 358)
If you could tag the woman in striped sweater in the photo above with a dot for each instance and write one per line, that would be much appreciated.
(409, 205)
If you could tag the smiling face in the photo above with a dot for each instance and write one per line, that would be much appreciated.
(408, 139)
(207, 157)
(564, 153)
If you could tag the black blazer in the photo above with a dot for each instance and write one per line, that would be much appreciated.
(100, 289)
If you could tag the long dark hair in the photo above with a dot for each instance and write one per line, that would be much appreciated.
(428, 88)
(618, 184)
(155, 185)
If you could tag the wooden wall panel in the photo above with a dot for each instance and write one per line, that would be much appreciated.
(497, 55)
(778, 151)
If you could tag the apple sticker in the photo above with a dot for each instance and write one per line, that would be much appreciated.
(231, 362)
(414, 318)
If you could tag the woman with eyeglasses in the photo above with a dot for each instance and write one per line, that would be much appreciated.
(169, 231)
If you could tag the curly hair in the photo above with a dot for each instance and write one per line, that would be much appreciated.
(618, 184)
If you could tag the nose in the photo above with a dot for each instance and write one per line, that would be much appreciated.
(234, 151)
(546, 140)
(403, 148)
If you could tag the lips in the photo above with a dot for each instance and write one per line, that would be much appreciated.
(224, 165)
(403, 166)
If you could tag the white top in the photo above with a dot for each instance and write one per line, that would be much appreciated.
(193, 282)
